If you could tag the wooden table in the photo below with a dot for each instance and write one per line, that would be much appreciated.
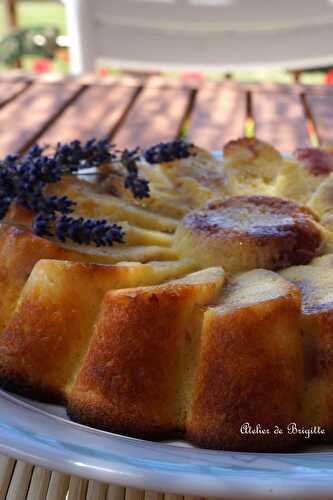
(130, 112)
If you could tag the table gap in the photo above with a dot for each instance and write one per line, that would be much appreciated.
(27, 117)
(52, 119)
(13, 91)
(249, 119)
(156, 116)
(218, 115)
(184, 125)
(124, 115)
(320, 108)
(98, 112)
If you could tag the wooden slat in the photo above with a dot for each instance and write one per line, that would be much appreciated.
(23, 119)
(218, 115)
(58, 486)
(274, 87)
(115, 492)
(280, 120)
(153, 495)
(317, 89)
(77, 488)
(14, 75)
(156, 116)
(321, 107)
(95, 113)
(20, 481)
(39, 484)
(9, 90)
(6, 470)
(169, 496)
(134, 494)
(96, 491)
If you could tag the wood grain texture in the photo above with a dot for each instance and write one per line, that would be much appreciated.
(20, 481)
(77, 488)
(6, 470)
(153, 495)
(321, 108)
(39, 484)
(58, 486)
(280, 120)
(156, 116)
(115, 492)
(134, 494)
(96, 491)
(95, 113)
(218, 115)
(170, 496)
(24, 118)
(274, 87)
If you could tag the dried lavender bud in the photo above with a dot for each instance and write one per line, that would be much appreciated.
(7, 182)
(82, 231)
(7, 190)
(35, 151)
(129, 158)
(138, 186)
(62, 204)
(91, 154)
(168, 151)
(42, 169)
(88, 231)
(5, 202)
(38, 203)
(30, 198)
(41, 224)
(9, 162)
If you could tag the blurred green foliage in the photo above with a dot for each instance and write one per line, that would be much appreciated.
(36, 13)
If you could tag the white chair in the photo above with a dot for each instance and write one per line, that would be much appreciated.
(192, 35)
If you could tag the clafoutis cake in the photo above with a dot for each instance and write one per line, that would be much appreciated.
(168, 293)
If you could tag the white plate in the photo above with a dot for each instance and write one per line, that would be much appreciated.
(42, 434)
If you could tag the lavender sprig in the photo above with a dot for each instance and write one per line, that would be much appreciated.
(40, 169)
(76, 155)
(138, 186)
(8, 185)
(41, 224)
(39, 203)
(82, 231)
(168, 151)
(24, 180)
(5, 202)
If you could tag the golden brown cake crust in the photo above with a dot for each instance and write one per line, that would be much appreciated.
(128, 378)
(316, 286)
(251, 147)
(14, 380)
(132, 376)
(262, 231)
(20, 250)
(317, 161)
(251, 366)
